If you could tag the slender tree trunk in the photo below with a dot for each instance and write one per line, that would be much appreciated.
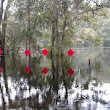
(13, 57)
(65, 12)
(1, 16)
(1, 10)
(3, 98)
(29, 41)
(53, 28)
(62, 49)
(63, 35)
(29, 28)
(53, 67)
(63, 38)
(52, 48)
(2, 46)
(57, 41)
(53, 38)
(4, 26)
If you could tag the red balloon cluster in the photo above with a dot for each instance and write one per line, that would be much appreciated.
(28, 70)
(44, 52)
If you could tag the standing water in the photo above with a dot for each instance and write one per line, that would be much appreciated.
(87, 89)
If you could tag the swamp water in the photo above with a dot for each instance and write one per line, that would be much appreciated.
(87, 89)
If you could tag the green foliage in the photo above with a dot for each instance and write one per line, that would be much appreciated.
(85, 18)
(68, 42)
(103, 13)
(34, 24)
(98, 67)
(98, 41)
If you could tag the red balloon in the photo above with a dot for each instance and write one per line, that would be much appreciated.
(70, 71)
(27, 70)
(45, 71)
(44, 52)
(27, 52)
(70, 53)
(1, 51)
(1, 69)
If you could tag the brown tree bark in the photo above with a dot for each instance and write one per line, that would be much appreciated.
(57, 39)
(63, 37)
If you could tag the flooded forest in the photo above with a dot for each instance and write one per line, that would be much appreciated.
(54, 54)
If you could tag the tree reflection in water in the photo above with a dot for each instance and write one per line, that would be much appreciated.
(57, 90)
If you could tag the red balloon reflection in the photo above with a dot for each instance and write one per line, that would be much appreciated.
(1, 69)
(70, 71)
(1, 51)
(45, 71)
(27, 70)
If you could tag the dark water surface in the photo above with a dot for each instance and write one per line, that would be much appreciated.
(87, 89)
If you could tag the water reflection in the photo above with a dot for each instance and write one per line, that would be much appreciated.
(87, 89)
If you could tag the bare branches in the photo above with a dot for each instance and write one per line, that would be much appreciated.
(103, 3)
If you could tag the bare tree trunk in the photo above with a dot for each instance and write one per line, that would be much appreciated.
(1, 16)
(53, 38)
(54, 81)
(57, 40)
(29, 40)
(3, 98)
(62, 48)
(53, 44)
(3, 24)
(63, 36)
(13, 57)
(29, 28)
(1, 10)
(53, 67)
